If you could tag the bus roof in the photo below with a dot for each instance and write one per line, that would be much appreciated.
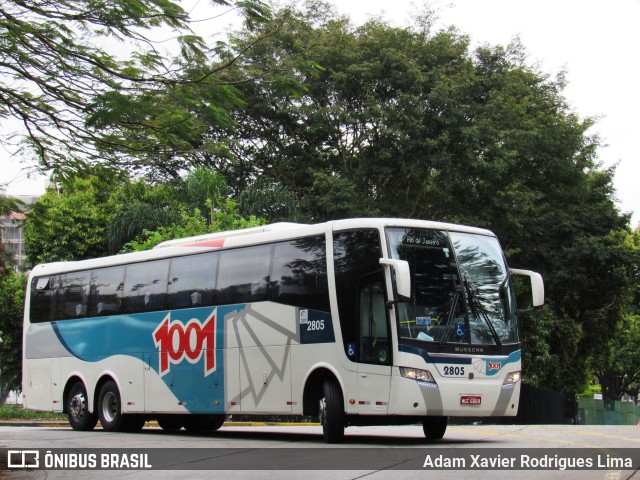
(244, 237)
(224, 239)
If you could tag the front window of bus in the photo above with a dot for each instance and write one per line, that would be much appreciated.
(460, 291)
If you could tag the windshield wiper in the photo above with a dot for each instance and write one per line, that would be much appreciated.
(450, 316)
(478, 310)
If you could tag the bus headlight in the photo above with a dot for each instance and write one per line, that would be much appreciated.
(511, 379)
(416, 374)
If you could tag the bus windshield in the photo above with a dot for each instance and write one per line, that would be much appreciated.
(460, 288)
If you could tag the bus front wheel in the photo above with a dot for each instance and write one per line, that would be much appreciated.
(332, 413)
(203, 423)
(434, 427)
(170, 423)
(78, 409)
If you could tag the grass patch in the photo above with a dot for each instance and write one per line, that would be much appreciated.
(17, 412)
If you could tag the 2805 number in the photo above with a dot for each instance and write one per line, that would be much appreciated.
(316, 325)
(454, 371)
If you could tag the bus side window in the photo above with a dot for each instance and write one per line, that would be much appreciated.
(192, 281)
(73, 295)
(42, 301)
(356, 256)
(243, 275)
(145, 286)
(374, 333)
(105, 297)
(299, 274)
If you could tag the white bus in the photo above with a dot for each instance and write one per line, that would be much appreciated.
(357, 322)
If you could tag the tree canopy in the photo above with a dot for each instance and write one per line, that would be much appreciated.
(410, 122)
(80, 103)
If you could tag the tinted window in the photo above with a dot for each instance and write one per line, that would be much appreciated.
(42, 306)
(192, 281)
(145, 286)
(243, 275)
(105, 297)
(299, 274)
(356, 258)
(374, 345)
(73, 295)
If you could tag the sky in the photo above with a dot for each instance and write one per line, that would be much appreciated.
(596, 42)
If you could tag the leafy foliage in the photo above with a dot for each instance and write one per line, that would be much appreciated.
(138, 207)
(618, 371)
(78, 103)
(224, 219)
(71, 225)
(12, 288)
(271, 201)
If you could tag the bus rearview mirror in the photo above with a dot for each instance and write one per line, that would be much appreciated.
(402, 277)
(537, 285)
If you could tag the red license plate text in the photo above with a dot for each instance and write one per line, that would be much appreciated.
(470, 400)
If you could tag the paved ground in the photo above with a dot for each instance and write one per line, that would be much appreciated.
(285, 452)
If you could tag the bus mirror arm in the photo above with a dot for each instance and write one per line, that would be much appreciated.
(401, 280)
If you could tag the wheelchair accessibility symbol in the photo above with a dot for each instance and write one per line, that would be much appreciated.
(461, 330)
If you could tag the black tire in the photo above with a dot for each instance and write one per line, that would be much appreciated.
(332, 416)
(78, 409)
(170, 423)
(110, 408)
(434, 427)
(133, 422)
(216, 422)
(203, 423)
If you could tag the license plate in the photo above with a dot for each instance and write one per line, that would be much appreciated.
(470, 400)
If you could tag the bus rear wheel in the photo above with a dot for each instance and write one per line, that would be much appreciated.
(332, 413)
(110, 407)
(78, 409)
(434, 427)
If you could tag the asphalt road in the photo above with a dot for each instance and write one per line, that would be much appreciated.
(374, 453)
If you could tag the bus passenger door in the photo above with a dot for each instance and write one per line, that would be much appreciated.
(374, 347)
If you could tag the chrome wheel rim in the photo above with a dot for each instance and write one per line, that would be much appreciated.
(109, 407)
(77, 406)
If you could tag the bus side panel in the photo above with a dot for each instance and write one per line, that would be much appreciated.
(42, 390)
(125, 370)
(306, 359)
(262, 334)
(42, 387)
(165, 360)
(232, 380)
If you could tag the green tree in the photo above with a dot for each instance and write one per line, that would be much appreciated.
(225, 218)
(616, 358)
(618, 370)
(205, 188)
(140, 206)
(70, 224)
(79, 103)
(12, 288)
(269, 200)
(410, 122)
